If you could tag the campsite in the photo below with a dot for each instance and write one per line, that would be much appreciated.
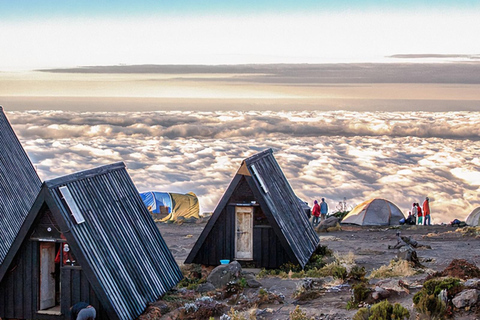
(91, 237)
(367, 246)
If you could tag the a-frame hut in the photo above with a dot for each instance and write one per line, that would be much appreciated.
(258, 221)
(19, 185)
(88, 237)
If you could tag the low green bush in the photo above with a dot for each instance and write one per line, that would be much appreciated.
(383, 310)
(427, 302)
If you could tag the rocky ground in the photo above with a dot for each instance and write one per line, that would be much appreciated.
(368, 247)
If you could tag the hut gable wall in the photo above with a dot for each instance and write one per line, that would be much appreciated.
(123, 262)
(220, 241)
(19, 288)
(281, 231)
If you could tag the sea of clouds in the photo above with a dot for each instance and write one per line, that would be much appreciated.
(400, 156)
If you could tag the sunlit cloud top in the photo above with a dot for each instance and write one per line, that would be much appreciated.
(401, 156)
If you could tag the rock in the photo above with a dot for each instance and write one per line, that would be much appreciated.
(443, 296)
(380, 293)
(330, 222)
(393, 286)
(252, 283)
(224, 273)
(407, 253)
(472, 283)
(205, 287)
(248, 275)
(466, 298)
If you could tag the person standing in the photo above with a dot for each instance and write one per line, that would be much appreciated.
(414, 211)
(315, 213)
(426, 211)
(323, 209)
(420, 215)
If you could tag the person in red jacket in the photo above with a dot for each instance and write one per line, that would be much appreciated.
(316, 213)
(420, 215)
(426, 211)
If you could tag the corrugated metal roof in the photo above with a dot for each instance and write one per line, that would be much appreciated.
(19, 185)
(119, 241)
(283, 204)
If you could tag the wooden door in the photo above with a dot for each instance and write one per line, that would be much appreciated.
(244, 233)
(47, 275)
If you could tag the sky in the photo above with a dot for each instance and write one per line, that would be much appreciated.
(51, 34)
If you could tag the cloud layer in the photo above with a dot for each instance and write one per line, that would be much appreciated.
(401, 156)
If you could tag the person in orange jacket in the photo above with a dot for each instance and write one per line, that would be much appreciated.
(426, 211)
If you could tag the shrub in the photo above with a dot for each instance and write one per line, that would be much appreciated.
(339, 272)
(323, 251)
(242, 282)
(286, 267)
(315, 262)
(340, 214)
(233, 315)
(357, 273)
(427, 302)
(262, 292)
(400, 268)
(431, 306)
(360, 292)
(298, 314)
(382, 310)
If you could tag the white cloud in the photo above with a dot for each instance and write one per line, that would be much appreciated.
(404, 163)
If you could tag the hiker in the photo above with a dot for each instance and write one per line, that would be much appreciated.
(410, 219)
(323, 209)
(315, 213)
(82, 311)
(420, 214)
(426, 211)
(414, 211)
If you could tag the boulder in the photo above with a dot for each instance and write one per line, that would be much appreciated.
(472, 283)
(330, 222)
(407, 253)
(466, 298)
(397, 287)
(380, 294)
(205, 287)
(252, 283)
(224, 273)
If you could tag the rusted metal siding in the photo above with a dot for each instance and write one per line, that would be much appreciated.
(122, 249)
(19, 185)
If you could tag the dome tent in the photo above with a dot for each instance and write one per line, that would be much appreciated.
(474, 217)
(374, 212)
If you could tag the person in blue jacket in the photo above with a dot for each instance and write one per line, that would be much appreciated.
(323, 209)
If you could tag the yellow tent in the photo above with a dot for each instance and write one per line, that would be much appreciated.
(184, 207)
(374, 212)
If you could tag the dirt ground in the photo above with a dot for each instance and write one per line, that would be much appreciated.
(370, 248)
